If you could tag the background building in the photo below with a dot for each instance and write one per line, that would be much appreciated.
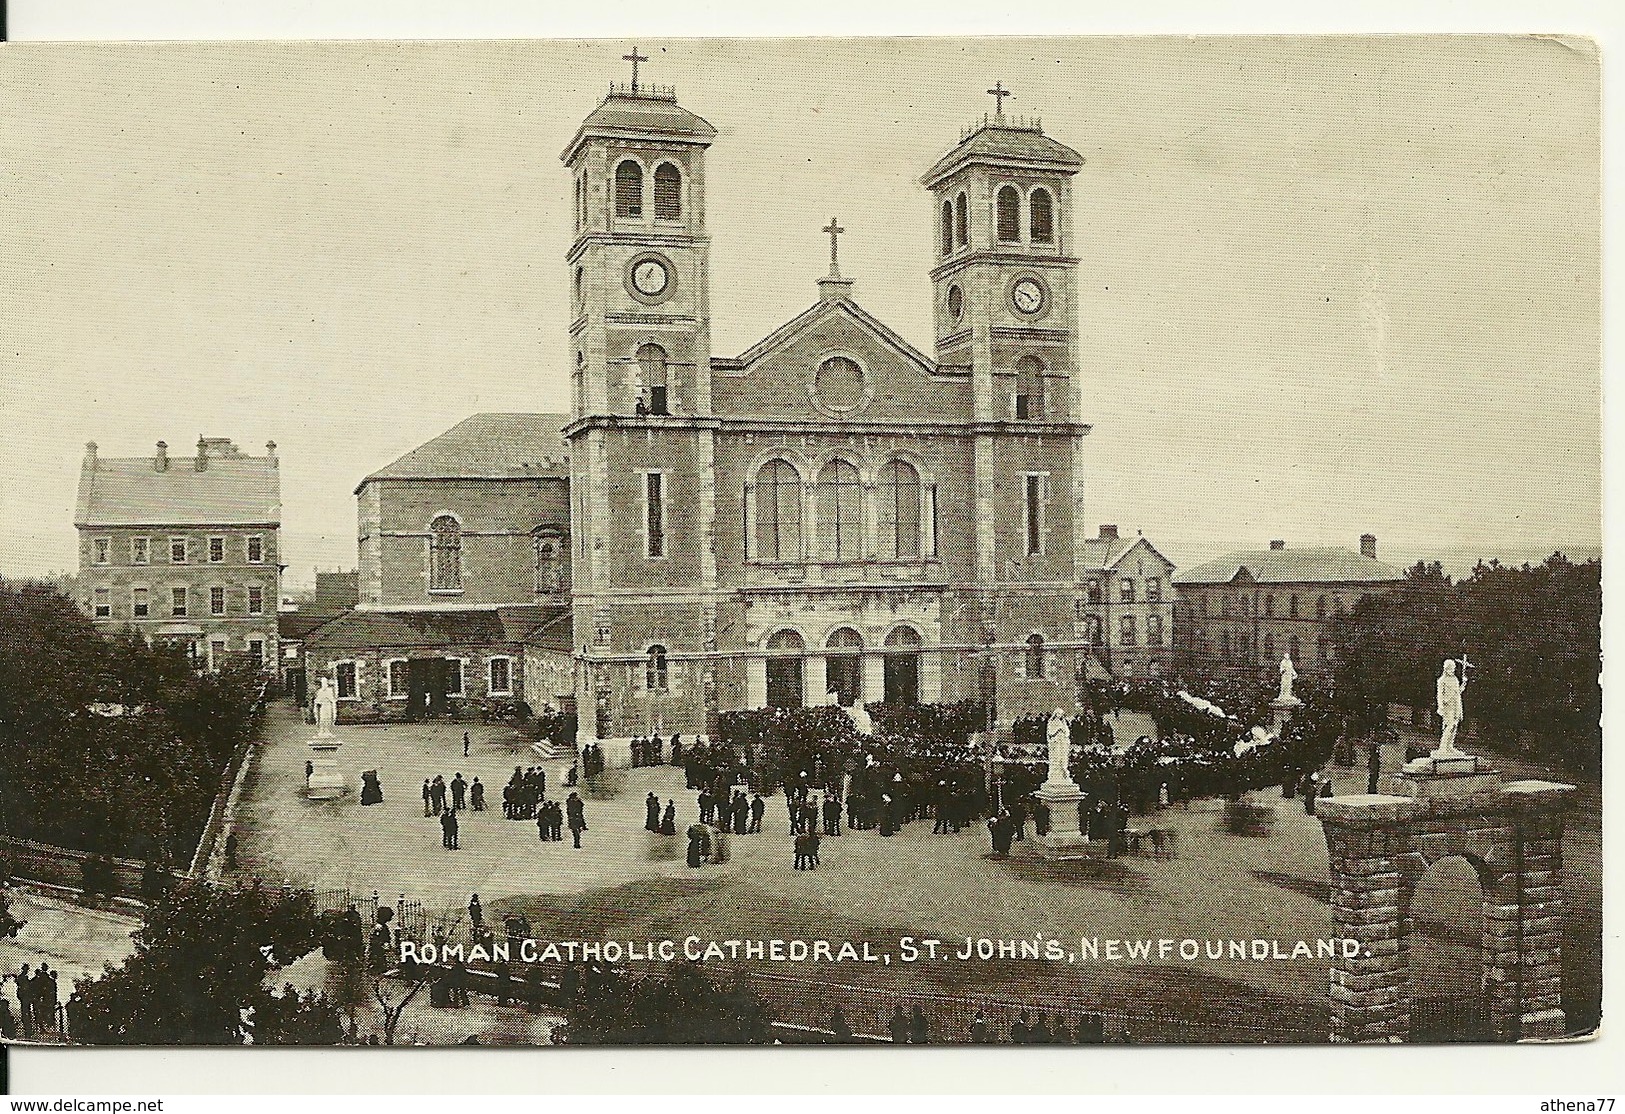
(1240, 613)
(1126, 608)
(184, 550)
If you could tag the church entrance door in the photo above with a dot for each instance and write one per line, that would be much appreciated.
(426, 687)
(784, 683)
(902, 679)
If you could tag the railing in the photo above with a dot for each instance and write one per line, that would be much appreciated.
(643, 92)
(1012, 123)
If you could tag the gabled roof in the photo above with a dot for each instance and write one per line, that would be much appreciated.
(487, 447)
(651, 112)
(787, 333)
(1106, 553)
(1327, 565)
(233, 490)
(1006, 141)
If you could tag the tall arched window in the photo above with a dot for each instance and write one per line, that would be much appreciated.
(1269, 605)
(843, 666)
(445, 555)
(654, 669)
(652, 363)
(1029, 396)
(961, 220)
(1294, 649)
(784, 670)
(1292, 606)
(1040, 217)
(899, 493)
(947, 226)
(1009, 214)
(629, 189)
(578, 204)
(548, 545)
(778, 512)
(840, 512)
(1320, 608)
(1269, 647)
(902, 667)
(1035, 655)
(668, 192)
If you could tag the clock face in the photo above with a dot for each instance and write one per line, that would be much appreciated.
(1027, 295)
(650, 277)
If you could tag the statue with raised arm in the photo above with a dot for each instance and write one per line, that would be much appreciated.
(1058, 736)
(1448, 692)
(326, 707)
(1288, 675)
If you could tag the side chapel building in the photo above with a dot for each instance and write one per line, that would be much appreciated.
(832, 514)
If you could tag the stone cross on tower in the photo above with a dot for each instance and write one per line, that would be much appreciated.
(833, 230)
(634, 58)
(998, 93)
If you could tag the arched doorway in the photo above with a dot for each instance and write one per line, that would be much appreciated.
(902, 674)
(785, 652)
(843, 666)
(1447, 966)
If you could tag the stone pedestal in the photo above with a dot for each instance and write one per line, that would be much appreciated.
(1283, 711)
(1065, 840)
(326, 781)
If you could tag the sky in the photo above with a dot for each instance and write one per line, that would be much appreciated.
(1329, 286)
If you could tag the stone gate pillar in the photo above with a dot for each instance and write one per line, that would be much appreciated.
(1379, 847)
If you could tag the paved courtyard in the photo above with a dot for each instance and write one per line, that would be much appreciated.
(627, 884)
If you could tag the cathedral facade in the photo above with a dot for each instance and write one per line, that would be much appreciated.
(831, 515)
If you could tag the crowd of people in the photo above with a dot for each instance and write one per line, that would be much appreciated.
(522, 797)
(37, 997)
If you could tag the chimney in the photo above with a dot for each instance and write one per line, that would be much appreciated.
(90, 453)
(1368, 546)
(1277, 545)
(270, 453)
(1108, 533)
(160, 461)
(202, 464)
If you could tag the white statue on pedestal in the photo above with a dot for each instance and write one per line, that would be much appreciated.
(326, 707)
(1288, 675)
(860, 717)
(1059, 738)
(1448, 691)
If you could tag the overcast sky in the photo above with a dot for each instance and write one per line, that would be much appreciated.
(1328, 286)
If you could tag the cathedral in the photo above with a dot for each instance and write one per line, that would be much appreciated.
(830, 515)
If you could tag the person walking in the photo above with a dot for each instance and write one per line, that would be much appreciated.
(465, 744)
(651, 813)
(476, 913)
(757, 808)
(577, 810)
(428, 796)
(476, 795)
(668, 819)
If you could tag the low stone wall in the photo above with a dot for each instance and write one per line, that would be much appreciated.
(63, 866)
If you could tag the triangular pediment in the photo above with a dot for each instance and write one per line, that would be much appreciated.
(820, 314)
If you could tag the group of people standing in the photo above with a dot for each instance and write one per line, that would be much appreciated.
(36, 1002)
(463, 794)
(522, 797)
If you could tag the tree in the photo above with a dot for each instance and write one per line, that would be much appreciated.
(9, 924)
(682, 1006)
(202, 955)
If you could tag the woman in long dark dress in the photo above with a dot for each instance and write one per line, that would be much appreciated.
(668, 821)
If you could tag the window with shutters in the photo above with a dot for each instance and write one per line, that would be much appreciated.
(1041, 217)
(947, 227)
(1008, 206)
(629, 189)
(668, 192)
(961, 220)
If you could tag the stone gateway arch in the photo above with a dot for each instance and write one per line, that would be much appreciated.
(1380, 847)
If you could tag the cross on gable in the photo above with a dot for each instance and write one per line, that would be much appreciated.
(998, 93)
(833, 229)
(634, 58)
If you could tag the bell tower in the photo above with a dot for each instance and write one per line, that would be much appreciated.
(1005, 281)
(639, 275)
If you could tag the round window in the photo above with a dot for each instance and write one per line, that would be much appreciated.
(839, 383)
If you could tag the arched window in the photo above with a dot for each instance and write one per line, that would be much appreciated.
(843, 666)
(1035, 655)
(947, 226)
(899, 509)
(629, 189)
(1269, 605)
(961, 220)
(1041, 217)
(1320, 608)
(580, 288)
(1294, 649)
(445, 555)
(1029, 396)
(902, 667)
(549, 552)
(1269, 647)
(652, 363)
(778, 512)
(654, 669)
(1292, 606)
(578, 203)
(668, 192)
(1009, 214)
(840, 512)
(784, 670)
